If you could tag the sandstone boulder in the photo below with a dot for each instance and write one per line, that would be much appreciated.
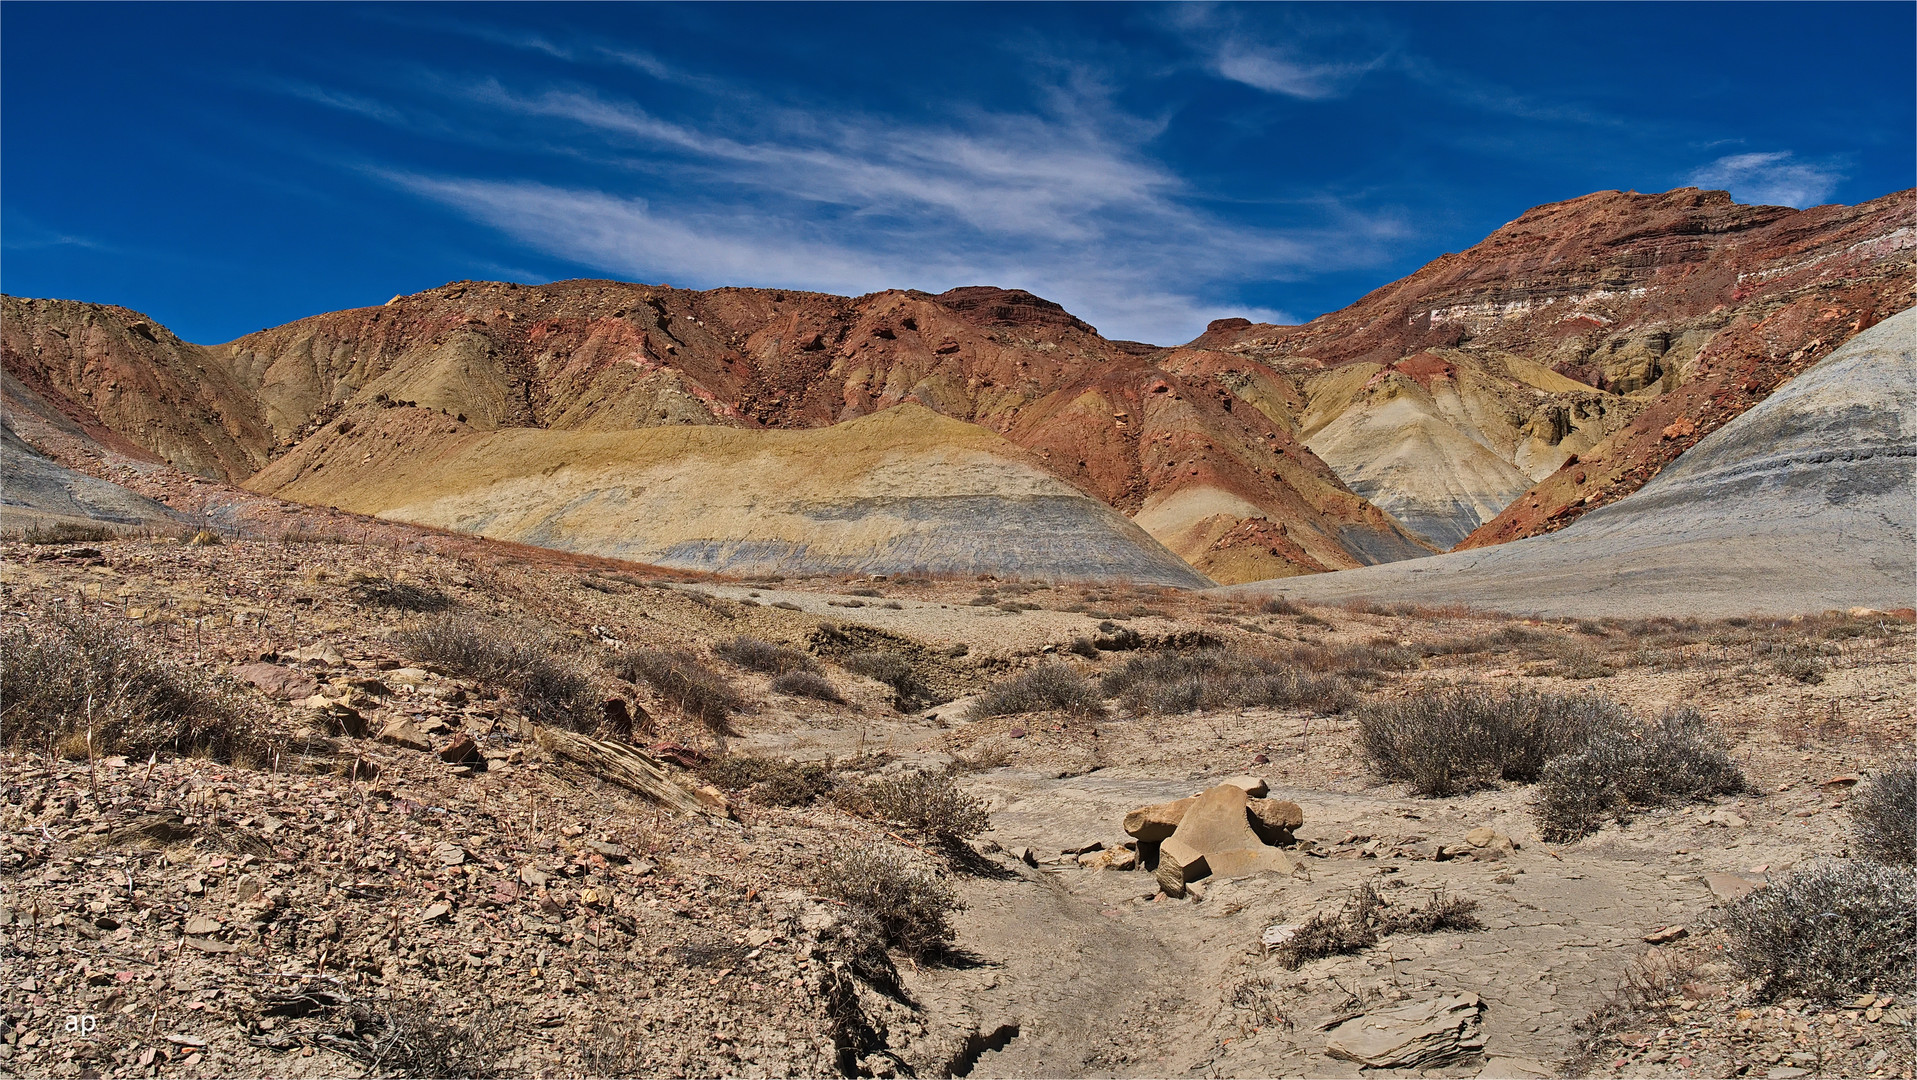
(1150, 824)
(460, 750)
(1242, 862)
(1179, 864)
(1217, 821)
(1275, 820)
(1253, 786)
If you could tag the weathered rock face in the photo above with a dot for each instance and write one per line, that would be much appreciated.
(1802, 504)
(1555, 367)
(127, 373)
(1416, 1035)
(1495, 394)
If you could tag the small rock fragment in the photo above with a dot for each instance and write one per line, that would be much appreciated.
(404, 733)
(1253, 786)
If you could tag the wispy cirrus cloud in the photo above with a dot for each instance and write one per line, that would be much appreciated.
(1064, 200)
(1775, 178)
(1304, 57)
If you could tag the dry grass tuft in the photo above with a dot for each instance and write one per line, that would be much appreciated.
(807, 684)
(90, 687)
(546, 689)
(1047, 688)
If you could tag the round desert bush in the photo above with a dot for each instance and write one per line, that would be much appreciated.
(1463, 737)
(927, 803)
(1048, 688)
(1884, 816)
(755, 655)
(807, 684)
(1829, 932)
(1675, 758)
(911, 906)
(684, 681)
(94, 683)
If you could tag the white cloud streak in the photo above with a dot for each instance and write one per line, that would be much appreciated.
(1064, 200)
(1775, 178)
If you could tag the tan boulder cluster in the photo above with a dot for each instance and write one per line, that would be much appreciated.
(1231, 830)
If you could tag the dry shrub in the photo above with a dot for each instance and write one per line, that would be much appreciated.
(1884, 816)
(771, 782)
(928, 804)
(1581, 664)
(546, 689)
(911, 907)
(753, 654)
(807, 684)
(684, 681)
(1047, 688)
(68, 532)
(397, 595)
(1675, 758)
(1464, 737)
(1205, 679)
(1829, 932)
(894, 670)
(1278, 605)
(1800, 666)
(91, 682)
(1366, 917)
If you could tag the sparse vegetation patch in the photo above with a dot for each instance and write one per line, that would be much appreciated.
(1047, 688)
(1884, 816)
(1675, 758)
(910, 905)
(85, 687)
(1169, 683)
(772, 782)
(1363, 920)
(1459, 738)
(928, 804)
(684, 681)
(1829, 932)
(543, 687)
(754, 654)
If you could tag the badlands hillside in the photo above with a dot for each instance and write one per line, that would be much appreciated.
(1807, 502)
(1497, 393)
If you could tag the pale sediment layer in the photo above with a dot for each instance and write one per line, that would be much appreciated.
(902, 491)
(1805, 503)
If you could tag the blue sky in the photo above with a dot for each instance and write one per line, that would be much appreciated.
(229, 167)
